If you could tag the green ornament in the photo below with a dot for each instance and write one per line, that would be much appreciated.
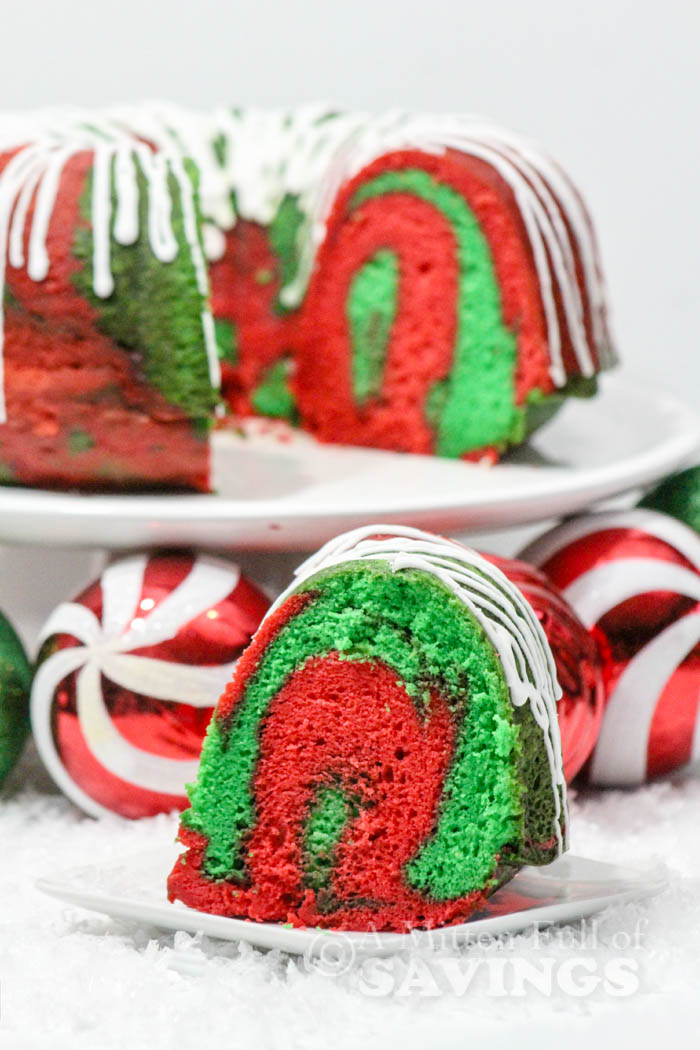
(678, 496)
(15, 682)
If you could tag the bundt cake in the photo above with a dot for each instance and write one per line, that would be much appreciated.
(387, 753)
(417, 283)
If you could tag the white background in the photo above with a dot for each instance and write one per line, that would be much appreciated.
(609, 86)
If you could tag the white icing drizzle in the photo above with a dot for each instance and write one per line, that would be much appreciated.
(540, 165)
(34, 173)
(248, 161)
(505, 615)
(529, 176)
(310, 153)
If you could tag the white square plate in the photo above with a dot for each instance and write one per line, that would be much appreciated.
(569, 889)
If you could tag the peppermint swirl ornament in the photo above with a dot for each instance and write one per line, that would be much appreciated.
(128, 676)
(633, 578)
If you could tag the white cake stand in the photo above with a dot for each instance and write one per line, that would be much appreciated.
(279, 491)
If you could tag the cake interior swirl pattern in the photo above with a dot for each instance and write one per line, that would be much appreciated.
(387, 753)
(426, 284)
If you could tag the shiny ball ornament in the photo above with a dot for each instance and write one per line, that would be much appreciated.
(633, 577)
(128, 676)
(15, 679)
(580, 709)
(678, 496)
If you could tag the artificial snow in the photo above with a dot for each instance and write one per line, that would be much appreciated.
(71, 978)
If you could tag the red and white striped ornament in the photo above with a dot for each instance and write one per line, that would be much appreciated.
(128, 676)
(633, 577)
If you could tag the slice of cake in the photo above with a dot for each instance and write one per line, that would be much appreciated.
(387, 753)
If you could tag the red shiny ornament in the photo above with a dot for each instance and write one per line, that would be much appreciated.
(128, 676)
(634, 579)
(580, 709)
